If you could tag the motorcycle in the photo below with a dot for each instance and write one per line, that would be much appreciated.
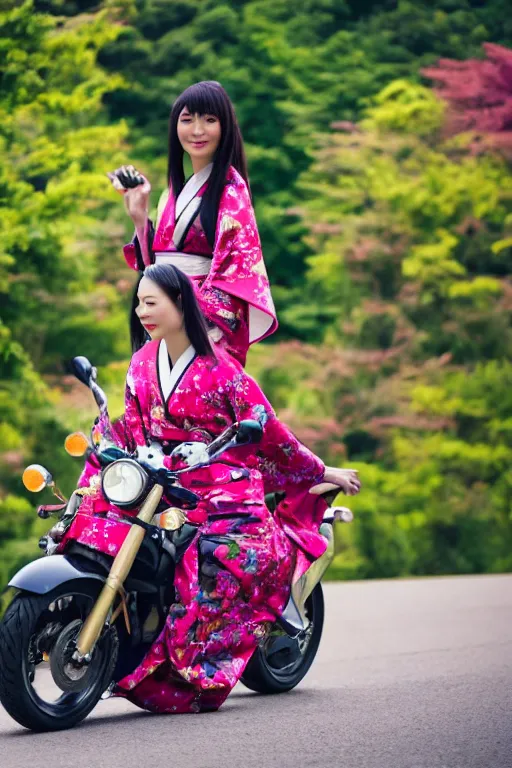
(90, 616)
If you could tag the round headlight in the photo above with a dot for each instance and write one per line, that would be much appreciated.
(124, 482)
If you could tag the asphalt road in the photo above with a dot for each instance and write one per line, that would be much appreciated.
(410, 674)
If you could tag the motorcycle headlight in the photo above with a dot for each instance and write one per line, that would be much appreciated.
(124, 482)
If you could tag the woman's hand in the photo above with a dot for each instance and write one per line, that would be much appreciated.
(347, 479)
(135, 189)
(136, 202)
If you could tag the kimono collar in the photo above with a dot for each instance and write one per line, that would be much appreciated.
(170, 377)
(191, 189)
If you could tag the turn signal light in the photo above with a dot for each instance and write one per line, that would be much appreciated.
(76, 444)
(36, 477)
(171, 519)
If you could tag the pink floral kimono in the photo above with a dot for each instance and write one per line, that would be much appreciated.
(220, 614)
(231, 281)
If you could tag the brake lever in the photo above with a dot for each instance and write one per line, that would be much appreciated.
(162, 475)
(47, 510)
(168, 480)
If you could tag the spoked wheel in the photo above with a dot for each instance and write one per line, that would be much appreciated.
(280, 662)
(41, 686)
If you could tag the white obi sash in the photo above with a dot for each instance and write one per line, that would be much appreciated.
(191, 264)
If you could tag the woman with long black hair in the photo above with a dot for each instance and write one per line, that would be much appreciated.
(179, 388)
(206, 225)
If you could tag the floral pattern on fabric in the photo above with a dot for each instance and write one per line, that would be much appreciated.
(230, 586)
(235, 295)
(211, 395)
(235, 577)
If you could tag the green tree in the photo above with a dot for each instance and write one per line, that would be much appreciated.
(56, 251)
(388, 248)
(415, 354)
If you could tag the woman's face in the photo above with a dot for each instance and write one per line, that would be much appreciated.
(155, 310)
(199, 135)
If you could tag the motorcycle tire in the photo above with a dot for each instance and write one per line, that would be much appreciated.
(22, 619)
(263, 677)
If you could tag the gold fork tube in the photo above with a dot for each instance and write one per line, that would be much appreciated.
(302, 588)
(120, 569)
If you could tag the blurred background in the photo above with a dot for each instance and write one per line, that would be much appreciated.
(379, 139)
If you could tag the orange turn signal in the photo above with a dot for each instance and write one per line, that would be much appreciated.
(171, 519)
(36, 477)
(76, 444)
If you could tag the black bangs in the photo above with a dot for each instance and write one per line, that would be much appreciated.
(202, 99)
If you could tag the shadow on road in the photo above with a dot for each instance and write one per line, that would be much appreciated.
(88, 723)
(242, 701)
(243, 693)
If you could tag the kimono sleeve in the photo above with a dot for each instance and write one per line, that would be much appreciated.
(221, 309)
(129, 430)
(136, 430)
(238, 268)
(283, 459)
(139, 253)
(231, 316)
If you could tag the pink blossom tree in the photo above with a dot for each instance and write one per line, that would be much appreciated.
(479, 95)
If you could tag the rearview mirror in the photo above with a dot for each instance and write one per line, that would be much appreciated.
(83, 370)
(249, 432)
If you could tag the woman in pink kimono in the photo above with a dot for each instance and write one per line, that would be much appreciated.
(235, 579)
(206, 226)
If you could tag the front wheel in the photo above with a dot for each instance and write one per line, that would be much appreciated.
(40, 686)
(280, 662)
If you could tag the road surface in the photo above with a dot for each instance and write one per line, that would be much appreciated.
(410, 674)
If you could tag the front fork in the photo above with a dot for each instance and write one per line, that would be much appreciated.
(120, 569)
(294, 618)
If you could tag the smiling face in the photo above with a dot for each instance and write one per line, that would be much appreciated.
(199, 136)
(158, 314)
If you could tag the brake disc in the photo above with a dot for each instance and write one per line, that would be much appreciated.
(67, 674)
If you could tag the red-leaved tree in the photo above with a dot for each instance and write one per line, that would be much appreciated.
(479, 95)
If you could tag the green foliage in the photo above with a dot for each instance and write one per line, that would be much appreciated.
(55, 148)
(388, 248)
(407, 108)
(414, 379)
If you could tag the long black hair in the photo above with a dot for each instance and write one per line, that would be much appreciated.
(208, 98)
(178, 288)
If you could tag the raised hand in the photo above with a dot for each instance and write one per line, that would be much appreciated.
(125, 177)
(135, 189)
